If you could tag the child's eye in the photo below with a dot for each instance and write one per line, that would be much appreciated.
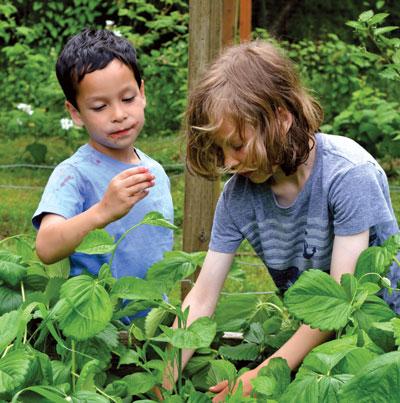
(97, 108)
(237, 147)
(130, 99)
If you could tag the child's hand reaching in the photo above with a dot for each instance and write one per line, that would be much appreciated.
(123, 192)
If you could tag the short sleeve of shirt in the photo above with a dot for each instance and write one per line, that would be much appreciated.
(360, 200)
(225, 235)
(61, 195)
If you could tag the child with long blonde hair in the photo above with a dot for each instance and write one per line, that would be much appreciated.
(303, 199)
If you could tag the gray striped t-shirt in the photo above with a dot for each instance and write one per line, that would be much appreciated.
(346, 193)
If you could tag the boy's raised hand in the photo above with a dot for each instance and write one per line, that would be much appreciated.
(123, 192)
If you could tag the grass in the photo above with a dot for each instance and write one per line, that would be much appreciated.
(21, 189)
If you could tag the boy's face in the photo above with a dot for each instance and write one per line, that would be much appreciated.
(111, 108)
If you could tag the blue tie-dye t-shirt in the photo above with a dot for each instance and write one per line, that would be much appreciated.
(80, 181)
(346, 193)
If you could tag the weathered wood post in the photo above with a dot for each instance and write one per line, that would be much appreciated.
(201, 195)
(212, 24)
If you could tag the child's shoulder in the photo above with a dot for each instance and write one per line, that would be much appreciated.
(342, 151)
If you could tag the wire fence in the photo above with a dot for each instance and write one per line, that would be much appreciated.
(173, 171)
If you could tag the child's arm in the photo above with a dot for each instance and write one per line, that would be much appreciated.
(58, 237)
(346, 250)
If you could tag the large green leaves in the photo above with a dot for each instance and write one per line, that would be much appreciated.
(95, 242)
(174, 267)
(379, 381)
(319, 301)
(136, 288)
(9, 299)
(13, 370)
(199, 334)
(12, 269)
(84, 309)
(10, 324)
(157, 219)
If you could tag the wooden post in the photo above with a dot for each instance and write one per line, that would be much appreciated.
(230, 21)
(245, 20)
(205, 39)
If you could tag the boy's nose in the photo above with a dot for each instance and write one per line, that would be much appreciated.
(119, 114)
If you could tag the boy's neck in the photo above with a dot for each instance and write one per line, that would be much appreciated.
(125, 155)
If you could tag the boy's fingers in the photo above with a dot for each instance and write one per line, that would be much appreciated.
(132, 171)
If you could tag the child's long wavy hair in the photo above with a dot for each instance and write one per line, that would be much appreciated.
(250, 86)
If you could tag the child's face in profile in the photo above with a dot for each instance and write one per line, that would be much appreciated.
(236, 152)
(111, 107)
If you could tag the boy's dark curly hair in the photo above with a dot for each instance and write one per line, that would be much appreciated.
(88, 51)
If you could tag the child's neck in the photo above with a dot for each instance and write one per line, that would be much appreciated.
(287, 188)
(126, 155)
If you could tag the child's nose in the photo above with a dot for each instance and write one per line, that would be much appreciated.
(230, 161)
(119, 113)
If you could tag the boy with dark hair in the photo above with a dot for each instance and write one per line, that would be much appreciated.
(107, 183)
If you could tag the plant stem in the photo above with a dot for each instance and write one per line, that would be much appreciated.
(179, 361)
(73, 365)
(24, 299)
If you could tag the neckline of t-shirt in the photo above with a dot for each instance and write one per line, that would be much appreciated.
(114, 161)
(309, 181)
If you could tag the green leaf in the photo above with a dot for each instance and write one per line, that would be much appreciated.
(174, 267)
(157, 219)
(234, 310)
(139, 382)
(278, 371)
(199, 334)
(10, 300)
(314, 388)
(372, 260)
(136, 289)
(96, 242)
(221, 370)
(376, 382)
(377, 18)
(241, 352)
(10, 324)
(85, 396)
(86, 377)
(395, 322)
(155, 317)
(319, 301)
(84, 309)
(325, 357)
(13, 370)
(384, 30)
(366, 15)
(51, 393)
(109, 336)
(12, 269)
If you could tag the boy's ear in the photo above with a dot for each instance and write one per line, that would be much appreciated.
(74, 113)
(142, 93)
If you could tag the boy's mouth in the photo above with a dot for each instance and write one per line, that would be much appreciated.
(120, 133)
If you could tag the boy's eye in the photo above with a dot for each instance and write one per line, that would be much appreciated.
(129, 99)
(97, 108)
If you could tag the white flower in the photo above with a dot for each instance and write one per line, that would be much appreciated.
(109, 23)
(25, 108)
(66, 124)
(117, 32)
